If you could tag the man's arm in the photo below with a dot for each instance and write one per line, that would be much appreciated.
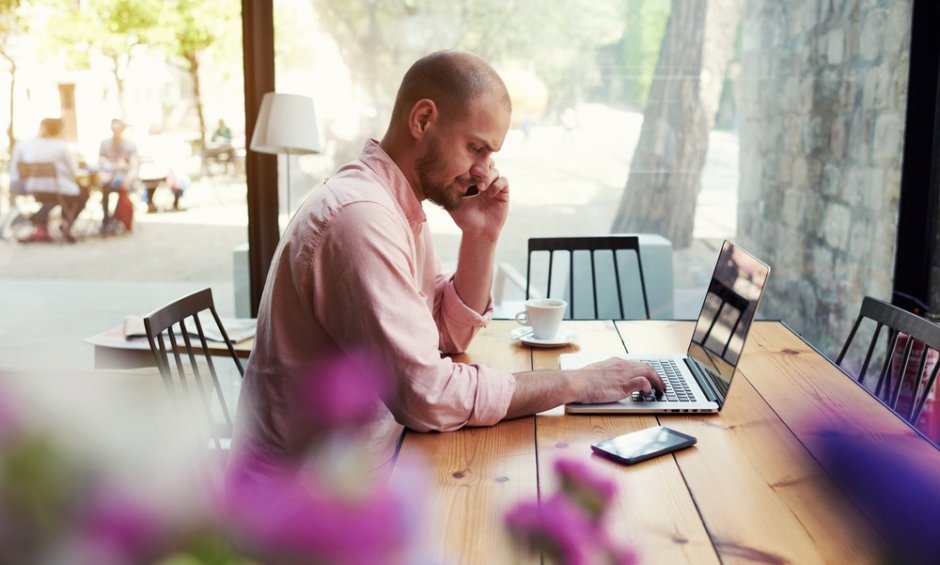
(606, 381)
(480, 219)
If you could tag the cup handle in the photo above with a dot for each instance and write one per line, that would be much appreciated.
(522, 318)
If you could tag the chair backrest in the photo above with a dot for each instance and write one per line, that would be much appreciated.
(911, 340)
(612, 247)
(172, 332)
(36, 170)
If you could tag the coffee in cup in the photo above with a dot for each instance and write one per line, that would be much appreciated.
(544, 315)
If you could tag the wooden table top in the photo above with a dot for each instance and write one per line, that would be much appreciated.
(751, 490)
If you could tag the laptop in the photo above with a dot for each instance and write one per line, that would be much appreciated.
(699, 380)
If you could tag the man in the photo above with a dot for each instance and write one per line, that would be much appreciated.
(50, 190)
(119, 163)
(355, 269)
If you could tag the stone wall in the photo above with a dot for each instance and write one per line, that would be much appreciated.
(823, 98)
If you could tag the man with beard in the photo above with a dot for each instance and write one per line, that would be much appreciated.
(356, 271)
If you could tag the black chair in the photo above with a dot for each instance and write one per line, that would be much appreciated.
(171, 332)
(891, 378)
(611, 247)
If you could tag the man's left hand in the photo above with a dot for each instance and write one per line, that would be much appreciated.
(483, 216)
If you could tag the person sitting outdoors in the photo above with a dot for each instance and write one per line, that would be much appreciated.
(356, 270)
(119, 164)
(220, 147)
(48, 151)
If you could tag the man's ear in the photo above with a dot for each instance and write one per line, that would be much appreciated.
(423, 114)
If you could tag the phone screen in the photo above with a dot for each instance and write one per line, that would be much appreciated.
(642, 445)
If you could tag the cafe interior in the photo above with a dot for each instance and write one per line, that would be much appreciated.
(748, 190)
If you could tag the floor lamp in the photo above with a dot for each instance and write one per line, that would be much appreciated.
(286, 125)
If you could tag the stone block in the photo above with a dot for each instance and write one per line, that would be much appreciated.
(886, 142)
(835, 46)
(831, 184)
(837, 139)
(836, 225)
(872, 37)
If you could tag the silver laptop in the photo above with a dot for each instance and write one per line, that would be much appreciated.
(699, 380)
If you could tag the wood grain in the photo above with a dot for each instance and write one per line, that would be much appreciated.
(477, 473)
(762, 496)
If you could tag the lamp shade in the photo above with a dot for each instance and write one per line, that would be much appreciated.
(286, 124)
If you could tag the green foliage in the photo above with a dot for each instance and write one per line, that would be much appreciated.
(378, 40)
(639, 48)
(193, 26)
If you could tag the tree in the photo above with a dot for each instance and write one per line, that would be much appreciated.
(377, 39)
(113, 28)
(11, 24)
(196, 27)
(666, 170)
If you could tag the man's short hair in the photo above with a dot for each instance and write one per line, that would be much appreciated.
(52, 127)
(452, 79)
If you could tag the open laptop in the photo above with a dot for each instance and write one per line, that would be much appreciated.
(699, 380)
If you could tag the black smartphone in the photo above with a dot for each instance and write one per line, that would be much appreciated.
(642, 445)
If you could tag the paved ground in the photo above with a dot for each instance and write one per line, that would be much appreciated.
(52, 296)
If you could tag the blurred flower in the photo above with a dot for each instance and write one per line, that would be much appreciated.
(591, 492)
(899, 497)
(343, 392)
(568, 527)
(297, 518)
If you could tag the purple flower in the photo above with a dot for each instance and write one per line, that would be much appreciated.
(342, 392)
(899, 496)
(560, 529)
(291, 516)
(116, 528)
(590, 491)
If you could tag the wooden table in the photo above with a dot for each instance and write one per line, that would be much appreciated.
(751, 490)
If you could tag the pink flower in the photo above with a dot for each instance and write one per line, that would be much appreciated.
(116, 528)
(342, 392)
(591, 492)
(290, 516)
(563, 533)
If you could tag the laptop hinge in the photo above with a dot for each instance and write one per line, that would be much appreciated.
(703, 381)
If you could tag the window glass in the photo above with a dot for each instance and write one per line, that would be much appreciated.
(778, 125)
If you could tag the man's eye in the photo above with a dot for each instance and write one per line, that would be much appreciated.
(475, 149)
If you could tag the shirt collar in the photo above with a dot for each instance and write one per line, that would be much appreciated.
(394, 180)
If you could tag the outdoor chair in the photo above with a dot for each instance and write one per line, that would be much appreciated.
(177, 340)
(598, 268)
(904, 382)
(47, 170)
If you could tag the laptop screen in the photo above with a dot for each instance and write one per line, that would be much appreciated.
(727, 313)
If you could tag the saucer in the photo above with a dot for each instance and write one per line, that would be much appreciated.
(562, 338)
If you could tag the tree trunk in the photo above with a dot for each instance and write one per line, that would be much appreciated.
(120, 85)
(10, 138)
(666, 170)
(193, 60)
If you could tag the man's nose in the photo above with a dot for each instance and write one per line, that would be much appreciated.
(480, 169)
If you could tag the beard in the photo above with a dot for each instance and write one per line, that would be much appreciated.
(429, 167)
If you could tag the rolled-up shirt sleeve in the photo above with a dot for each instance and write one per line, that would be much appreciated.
(369, 294)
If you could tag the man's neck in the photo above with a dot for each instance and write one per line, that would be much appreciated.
(404, 160)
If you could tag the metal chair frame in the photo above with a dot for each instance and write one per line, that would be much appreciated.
(611, 243)
(917, 329)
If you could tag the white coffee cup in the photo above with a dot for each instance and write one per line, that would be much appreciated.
(544, 315)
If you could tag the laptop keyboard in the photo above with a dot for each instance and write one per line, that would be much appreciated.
(677, 390)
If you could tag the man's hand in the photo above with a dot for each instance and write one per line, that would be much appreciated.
(483, 216)
(605, 381)
(615, 379)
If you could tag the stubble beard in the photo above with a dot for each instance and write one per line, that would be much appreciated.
(429, 166)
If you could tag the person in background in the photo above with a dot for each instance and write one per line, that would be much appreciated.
(355, 270)
(119, 164)
(222, 133)
(47, 149)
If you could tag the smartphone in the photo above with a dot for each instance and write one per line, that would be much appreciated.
(642, 445)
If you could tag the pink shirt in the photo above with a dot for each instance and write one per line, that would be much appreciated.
(356, 269)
